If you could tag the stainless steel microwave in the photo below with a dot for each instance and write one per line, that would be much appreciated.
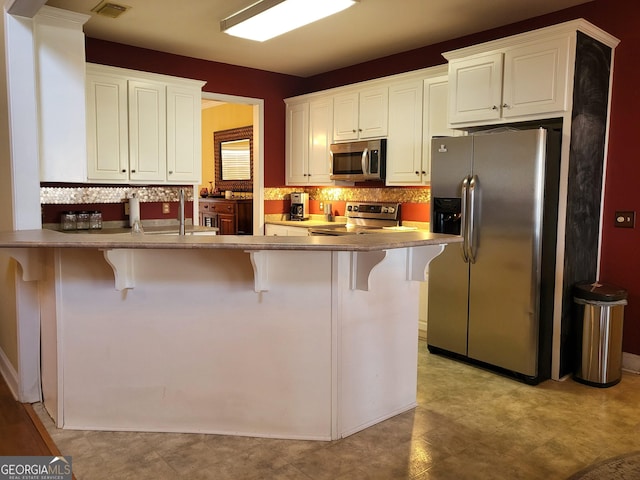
(359, 161)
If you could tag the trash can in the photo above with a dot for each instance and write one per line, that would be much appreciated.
(599, 321)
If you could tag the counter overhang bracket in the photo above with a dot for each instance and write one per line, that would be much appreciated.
(30, 261)
(362, 264)
(121, 261)
(418, 259)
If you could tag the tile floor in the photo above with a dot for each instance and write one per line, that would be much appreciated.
(470, 424)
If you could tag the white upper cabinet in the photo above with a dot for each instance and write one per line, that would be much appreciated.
(518, 81)
(184, 135)
(434, 121)
(417, 113)
(346, 116)
(309, 126)
(361, 114)
(147, 131)
(320, 129)
(60, 94)
(404, 146)
(476, 88)
(142, 127)
(536, 78)
(297, 144)
(402, 108)
(107, 128)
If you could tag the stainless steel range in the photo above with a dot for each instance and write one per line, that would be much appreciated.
(369, 217)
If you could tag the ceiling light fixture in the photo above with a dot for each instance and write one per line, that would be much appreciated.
(266, 19)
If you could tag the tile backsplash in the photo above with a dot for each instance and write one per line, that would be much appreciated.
(365, 194)
(87, 194)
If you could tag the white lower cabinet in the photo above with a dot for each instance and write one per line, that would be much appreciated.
(423, 308)
(142, 127)
(271, 229)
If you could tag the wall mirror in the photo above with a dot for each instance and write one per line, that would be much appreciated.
(233, 152)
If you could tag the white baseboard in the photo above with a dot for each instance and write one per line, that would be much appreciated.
(631, 362)
(9, 374)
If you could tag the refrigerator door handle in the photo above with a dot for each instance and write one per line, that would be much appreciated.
(464, 193)
(471, 247)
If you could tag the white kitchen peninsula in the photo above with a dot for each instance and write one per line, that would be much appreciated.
(290, 337)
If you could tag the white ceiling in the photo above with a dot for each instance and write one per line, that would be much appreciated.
(371, 29)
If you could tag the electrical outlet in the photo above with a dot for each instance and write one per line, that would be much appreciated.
(625, 219)
(322, 206)
(166, 208)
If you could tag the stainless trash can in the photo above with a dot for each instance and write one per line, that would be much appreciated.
(599, 325)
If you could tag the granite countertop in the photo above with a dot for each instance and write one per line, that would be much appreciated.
(314, 220)
(148, 229)
(303, 223)
(370, 242)
(320, 221)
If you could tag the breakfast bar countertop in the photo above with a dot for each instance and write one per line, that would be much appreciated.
(371, 242)
(204, 333)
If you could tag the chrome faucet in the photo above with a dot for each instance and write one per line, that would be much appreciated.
(181, 211)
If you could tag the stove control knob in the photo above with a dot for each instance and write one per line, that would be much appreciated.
(391, 209)
(355, 208)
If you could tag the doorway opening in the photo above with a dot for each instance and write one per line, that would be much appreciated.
(213, 99)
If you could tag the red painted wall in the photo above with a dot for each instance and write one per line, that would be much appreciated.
(620, 262)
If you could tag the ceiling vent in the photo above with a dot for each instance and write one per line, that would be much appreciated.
(111, 10)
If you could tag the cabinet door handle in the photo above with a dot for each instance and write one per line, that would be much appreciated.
(494, 107)
(133, 171)
(504, 105)
(124, 170)
(417, 172)
(424, 173)
(170, 172)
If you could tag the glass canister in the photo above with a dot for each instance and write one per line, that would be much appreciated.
(95, 220)
(82, 222)
(68, 221)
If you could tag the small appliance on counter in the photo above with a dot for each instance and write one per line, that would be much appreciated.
(299, 206)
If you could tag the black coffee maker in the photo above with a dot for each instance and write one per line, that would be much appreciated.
(299, 206)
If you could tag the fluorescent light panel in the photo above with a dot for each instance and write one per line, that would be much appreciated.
(269, 18)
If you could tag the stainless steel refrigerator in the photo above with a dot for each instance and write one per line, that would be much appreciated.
(491, 299)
